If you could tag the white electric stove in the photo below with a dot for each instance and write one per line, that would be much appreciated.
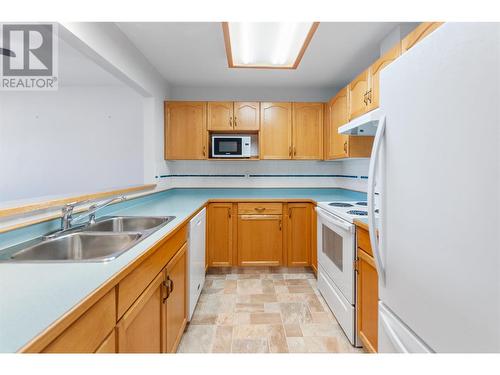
(336, 255)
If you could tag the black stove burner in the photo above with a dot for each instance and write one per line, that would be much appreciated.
(357, 212)
(340, 204)
(362, 203)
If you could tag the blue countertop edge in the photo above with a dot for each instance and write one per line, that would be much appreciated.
(34, 296)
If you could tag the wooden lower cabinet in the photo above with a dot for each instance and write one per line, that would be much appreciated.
(366, 295)
(260, 240)
(220, 234)
(175, 302)
(299, 228)
(87, 333)
(140, 329)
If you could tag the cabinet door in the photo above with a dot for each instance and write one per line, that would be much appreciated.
(220, 234)
(276, 130)
(108, 345)
(419, 33)
(307, 131)
(375, 69)
(220, 116)
(175, 301)
(358, 95)
(367, 301)
(260, 240)
(140, 329)
(299, 234)
(339, 115)
(246, 116)
(185, 130)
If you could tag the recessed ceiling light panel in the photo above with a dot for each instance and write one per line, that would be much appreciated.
(272, 45)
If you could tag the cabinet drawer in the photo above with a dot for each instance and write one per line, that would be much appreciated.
(131, 287)
(363, 240)
(87, 333)
(255, 208)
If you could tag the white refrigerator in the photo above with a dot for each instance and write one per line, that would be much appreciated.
(435, 170)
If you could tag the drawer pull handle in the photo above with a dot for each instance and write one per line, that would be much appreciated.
(260, 209)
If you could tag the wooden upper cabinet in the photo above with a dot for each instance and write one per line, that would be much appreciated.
(419, 33)
(140, 329)
(260, 240)
(358, 94)
(307, 131)
(246, 116)
(220, 234)
(185, 130)
(175, 301)
(220, 116)
(337, 144)
(299, 234)
(276, 130)
(375, 69)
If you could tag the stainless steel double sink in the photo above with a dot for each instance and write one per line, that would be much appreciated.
(104, 240)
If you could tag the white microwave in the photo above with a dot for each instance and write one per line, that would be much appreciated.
(231, 146)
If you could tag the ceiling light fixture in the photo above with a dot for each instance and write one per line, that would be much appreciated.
(267, 45)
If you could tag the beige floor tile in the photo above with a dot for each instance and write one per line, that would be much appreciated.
(265, 318)
(322, 317)
(197, 339)
(223, 339)
(277, 339)
(263, 298)
(296, 345)
(260, 310)
(250, 286)
(252, 331)
(272, 307)
(249, 307)
(293, 330)
(321, 344)
(250, 346)
(321, 329)
(200, 318)
(295, 312)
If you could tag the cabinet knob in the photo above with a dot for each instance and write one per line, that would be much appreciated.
(235, 124)
(229, 213)
(345, 147)
(294, 151)
(231, 121)
(290, 151)
(204, 151)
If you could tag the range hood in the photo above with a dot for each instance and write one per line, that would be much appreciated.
(363, 125)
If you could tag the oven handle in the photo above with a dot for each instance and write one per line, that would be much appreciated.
(325, 215)
(377, 251)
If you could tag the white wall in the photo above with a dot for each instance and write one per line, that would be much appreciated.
(106, 44)
(77, 139)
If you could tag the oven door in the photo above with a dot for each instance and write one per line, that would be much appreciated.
(336, 251)
(226, 147)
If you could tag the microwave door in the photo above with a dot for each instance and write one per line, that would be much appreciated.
(227, 147)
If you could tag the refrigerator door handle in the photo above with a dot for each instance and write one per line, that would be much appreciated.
(371, 199)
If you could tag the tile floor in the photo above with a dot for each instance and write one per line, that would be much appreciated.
(262, 310)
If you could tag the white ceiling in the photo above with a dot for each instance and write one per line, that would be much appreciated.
(192, 54)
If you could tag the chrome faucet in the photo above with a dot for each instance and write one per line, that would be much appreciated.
(90, 212)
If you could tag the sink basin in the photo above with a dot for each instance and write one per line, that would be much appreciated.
(128, 223)
(79, 247)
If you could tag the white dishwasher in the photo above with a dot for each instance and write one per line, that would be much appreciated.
(196, 259)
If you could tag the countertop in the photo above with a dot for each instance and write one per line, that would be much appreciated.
(33, 296)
